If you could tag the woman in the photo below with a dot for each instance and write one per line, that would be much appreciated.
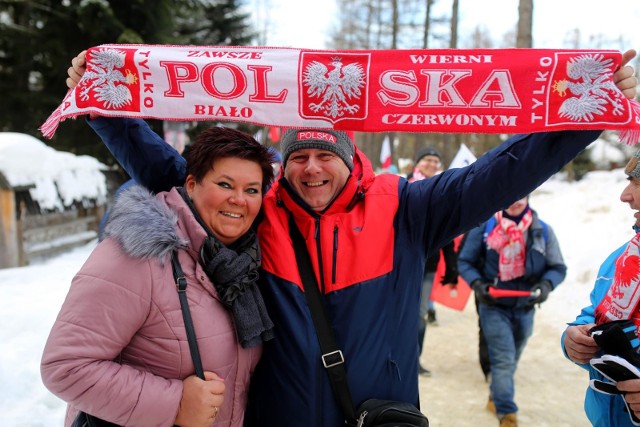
(118, 349)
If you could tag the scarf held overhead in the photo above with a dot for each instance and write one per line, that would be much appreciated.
(421, 90)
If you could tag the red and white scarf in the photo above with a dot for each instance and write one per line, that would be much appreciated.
(623, 296)
(417, 175)
(507, 238)
(418, 90)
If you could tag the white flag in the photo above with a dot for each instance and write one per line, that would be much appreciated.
(464, 157)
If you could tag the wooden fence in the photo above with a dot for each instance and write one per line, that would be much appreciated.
(27, 234)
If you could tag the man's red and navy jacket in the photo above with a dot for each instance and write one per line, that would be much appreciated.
(368, 250)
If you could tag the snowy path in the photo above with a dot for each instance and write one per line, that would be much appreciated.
(549, 389)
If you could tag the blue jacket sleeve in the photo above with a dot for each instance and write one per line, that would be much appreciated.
(470, 255)
(438, 209)
(146, 157)
(604, 279)
(556, 268)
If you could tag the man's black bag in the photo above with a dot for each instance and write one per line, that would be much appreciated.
(389, 413)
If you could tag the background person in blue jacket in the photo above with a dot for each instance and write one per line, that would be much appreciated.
(368, 238)
(516, 252)
(578, 345)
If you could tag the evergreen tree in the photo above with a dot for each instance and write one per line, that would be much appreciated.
(38, 38)
(220, 23)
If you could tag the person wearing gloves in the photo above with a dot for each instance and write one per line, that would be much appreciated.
(514, 251)
(118, 349)
(607, 329)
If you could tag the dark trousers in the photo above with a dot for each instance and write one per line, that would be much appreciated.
(483, 350)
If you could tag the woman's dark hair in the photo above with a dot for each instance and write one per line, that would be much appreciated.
(222, 142)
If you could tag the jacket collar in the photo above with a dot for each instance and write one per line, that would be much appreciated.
(148, 226)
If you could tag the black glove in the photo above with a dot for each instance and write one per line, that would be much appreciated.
(614, 369)
(619, 338)
(543, 289)
(481, 291)
(450, 277)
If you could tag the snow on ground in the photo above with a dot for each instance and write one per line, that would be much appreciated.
(587, 216)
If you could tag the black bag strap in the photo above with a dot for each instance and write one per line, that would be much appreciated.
(332, 357)
(181, 285)
(84, 419)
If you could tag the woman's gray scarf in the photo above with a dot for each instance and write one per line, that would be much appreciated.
(233, 271)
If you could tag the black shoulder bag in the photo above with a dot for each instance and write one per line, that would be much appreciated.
(372, 412)
(86, 420)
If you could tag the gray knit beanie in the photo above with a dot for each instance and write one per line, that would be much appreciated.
(336, 141)
(427, 151)
(633, 167)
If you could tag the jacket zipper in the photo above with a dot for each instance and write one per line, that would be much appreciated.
(319, 249)
(335, 254)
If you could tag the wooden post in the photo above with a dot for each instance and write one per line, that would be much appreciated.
(9, 247)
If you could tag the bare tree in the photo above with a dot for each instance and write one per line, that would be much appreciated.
(350, 32)
(370, 16)
(453, 41)
(262, 17)
(481, 38)
(525, 24)
(427, 23)
(394, 24)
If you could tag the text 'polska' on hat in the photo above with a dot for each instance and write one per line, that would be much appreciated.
(336, 141)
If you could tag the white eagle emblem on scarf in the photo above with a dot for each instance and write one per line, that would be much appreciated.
(623, 296)
(592, 86)
(105, 78)
(335, 88)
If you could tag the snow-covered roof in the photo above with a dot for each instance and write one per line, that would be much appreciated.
(59, 178)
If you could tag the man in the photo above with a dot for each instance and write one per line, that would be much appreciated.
(428, 163)
(513, 251)
(368, 238)
(619, 271)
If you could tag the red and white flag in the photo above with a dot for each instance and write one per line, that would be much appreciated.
(385, 153)
(274, 134)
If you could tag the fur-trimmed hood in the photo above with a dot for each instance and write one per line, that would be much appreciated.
(146, 225)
